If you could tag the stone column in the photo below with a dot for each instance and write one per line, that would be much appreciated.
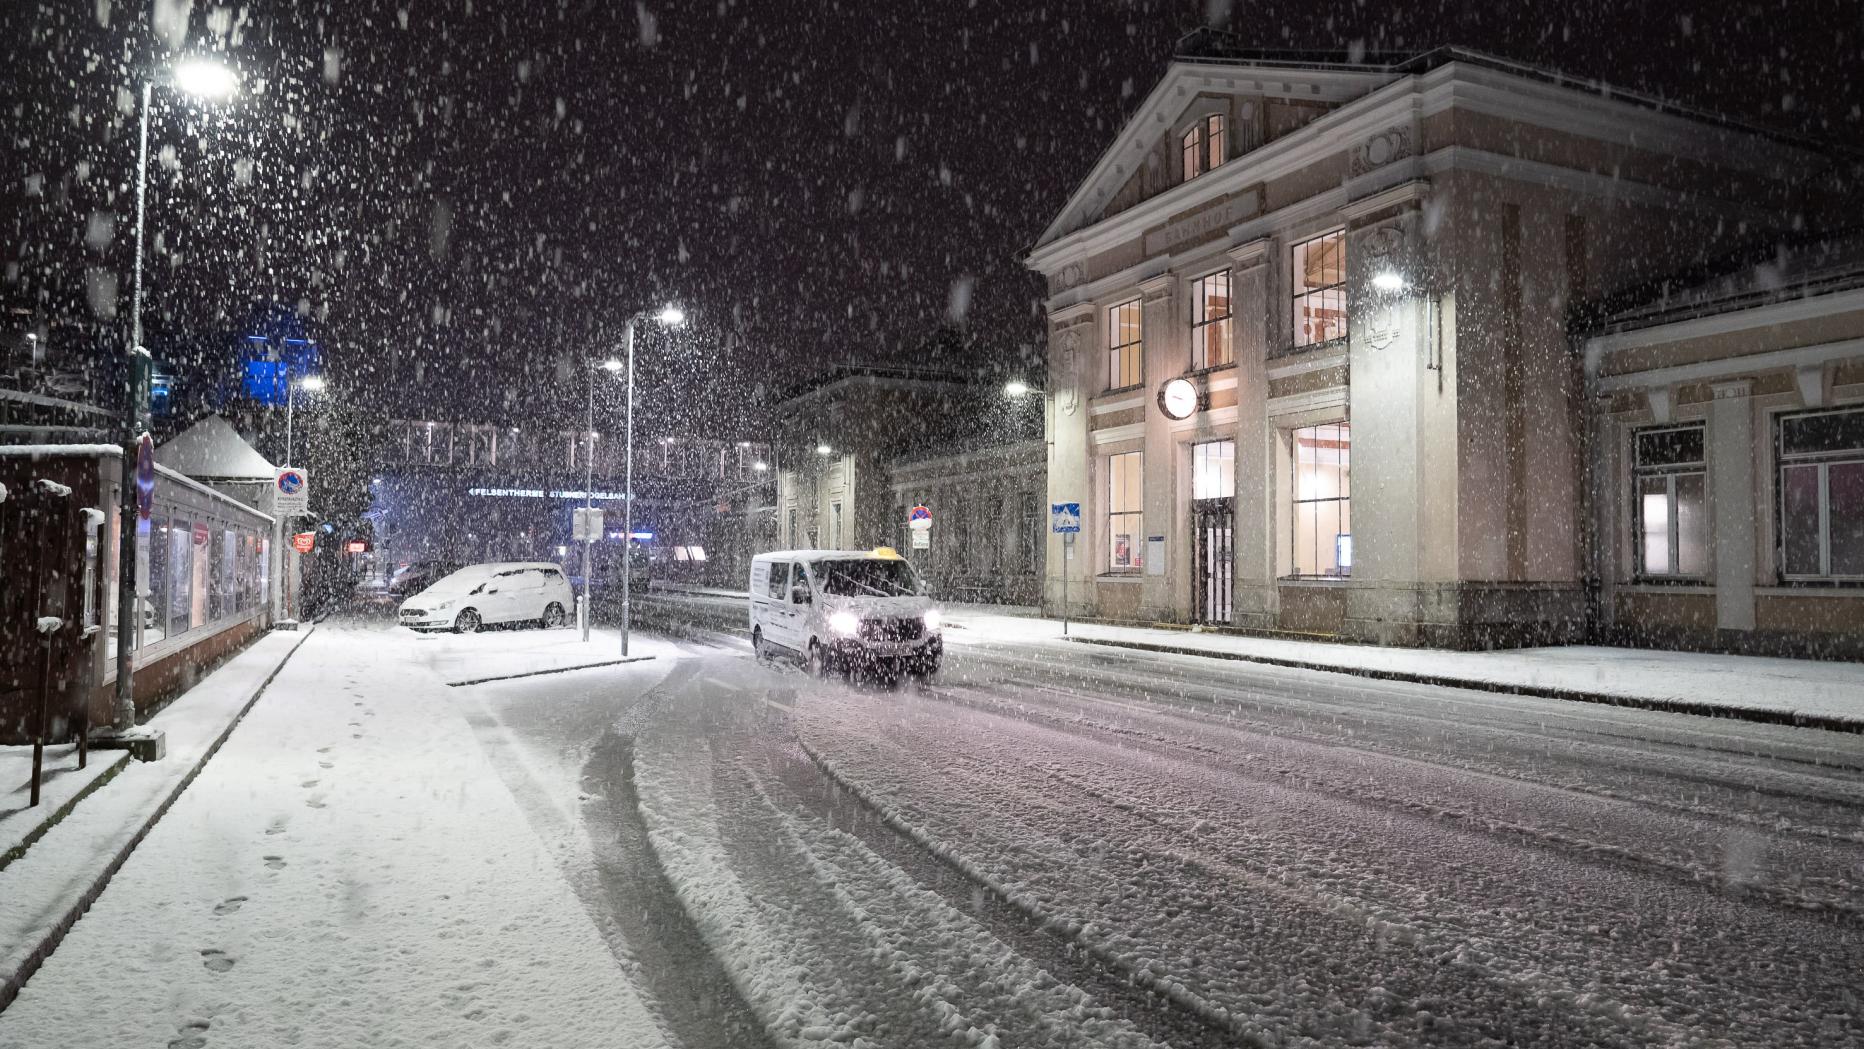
(1165, 357)
(1254, 557)
(1074, 334)
(1731, 495)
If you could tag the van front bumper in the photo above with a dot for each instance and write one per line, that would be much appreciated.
(855, 651)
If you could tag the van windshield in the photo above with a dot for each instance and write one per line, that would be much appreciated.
(867, 577)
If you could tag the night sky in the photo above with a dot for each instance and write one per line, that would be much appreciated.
(487, 188)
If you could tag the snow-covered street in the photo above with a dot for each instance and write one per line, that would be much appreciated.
(1048, 845)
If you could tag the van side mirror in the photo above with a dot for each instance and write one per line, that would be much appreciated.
(799, 594)
(922, 588)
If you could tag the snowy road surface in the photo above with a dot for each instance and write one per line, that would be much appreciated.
(1048, 846)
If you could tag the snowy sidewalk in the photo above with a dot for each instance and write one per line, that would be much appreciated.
(46, 888)
(1790, 691)
(349, 870)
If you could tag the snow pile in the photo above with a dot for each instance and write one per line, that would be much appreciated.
(51, 487)
(49, 624)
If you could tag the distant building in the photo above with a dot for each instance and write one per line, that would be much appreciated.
(1312, 340)
(862, 446)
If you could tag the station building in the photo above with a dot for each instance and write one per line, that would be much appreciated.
(1317, 333)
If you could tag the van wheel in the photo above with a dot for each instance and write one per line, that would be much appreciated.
(757, 645)
(817, 664)
(554, 616)
(467, 623)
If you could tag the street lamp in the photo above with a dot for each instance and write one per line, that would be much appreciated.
(669, 317)
(611, 366)
(1015, 388)
(206, 79)
(309, 384)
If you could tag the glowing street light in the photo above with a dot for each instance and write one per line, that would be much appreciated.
(1015, 388)
(669, 316)
(823, 449)
(1388, 280)
(206, 79)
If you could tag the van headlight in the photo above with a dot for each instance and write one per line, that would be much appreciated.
(932, 620)
(845, 623)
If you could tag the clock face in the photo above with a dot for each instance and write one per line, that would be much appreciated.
(1178, 398)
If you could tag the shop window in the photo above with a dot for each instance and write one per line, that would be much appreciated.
(1125, 345)
(1125, 512)
(1322, 501)
(1031, 531)
(1319, 283)
(1213, 470)
(1821, 462)
(835, 522)
(1671, 504)
(180, 575)
(154, 605)
(1210, 321)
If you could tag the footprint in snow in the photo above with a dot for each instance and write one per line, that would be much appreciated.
(275, 862)
(315, 803)
(324, 750)
(230, 905)
(326, 764)
(308, 784)
(215, 960)
(190, 1035)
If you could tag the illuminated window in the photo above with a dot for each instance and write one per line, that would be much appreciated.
(1213, 470)
(1822, 495)
(1125, 345)
(1671, 507)
(1125, 512)
(1210, 321)
(1202, 146)
(1319, 282)
(1322, 501)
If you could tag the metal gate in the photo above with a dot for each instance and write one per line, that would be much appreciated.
(1213, 533)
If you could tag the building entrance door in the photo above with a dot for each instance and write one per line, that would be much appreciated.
(1213, 531)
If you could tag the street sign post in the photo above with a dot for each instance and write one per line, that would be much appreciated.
(304, 542)
(291, 492)
(1065, 520)
(919, 518)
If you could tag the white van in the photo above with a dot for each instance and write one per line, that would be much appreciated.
(481, 595)
(844, 609)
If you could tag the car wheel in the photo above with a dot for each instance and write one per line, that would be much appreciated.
(817, 664)
(554, 616)
(467, 623)
(925, 667)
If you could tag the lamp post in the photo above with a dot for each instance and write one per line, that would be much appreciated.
(310, 384)
(208, 80)
(588, 601)
(671, 317)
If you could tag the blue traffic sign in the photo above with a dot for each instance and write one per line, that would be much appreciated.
(1064, 517)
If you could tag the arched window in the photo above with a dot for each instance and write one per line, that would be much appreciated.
(1203, 146)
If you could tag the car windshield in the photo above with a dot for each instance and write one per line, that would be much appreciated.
(867, 577)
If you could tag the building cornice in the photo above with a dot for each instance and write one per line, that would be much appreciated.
(1774, 313)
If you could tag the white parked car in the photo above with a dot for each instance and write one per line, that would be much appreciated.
(482, 595)
(844, 609)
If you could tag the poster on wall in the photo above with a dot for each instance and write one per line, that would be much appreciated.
(1123, 551)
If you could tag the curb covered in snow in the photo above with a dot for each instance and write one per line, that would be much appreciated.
(71, 910)
(550, 670)
(1828, 722)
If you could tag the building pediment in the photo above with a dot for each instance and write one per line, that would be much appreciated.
(1259, 103)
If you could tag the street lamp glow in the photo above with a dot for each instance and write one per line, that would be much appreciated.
(1388, 280)
(612, 365)
(823, 449)
(313, 383)
(205, 78)
(672, 316)
(1015, 388)
(760, 466)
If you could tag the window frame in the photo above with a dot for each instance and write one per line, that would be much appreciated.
(1203, 146)
(1136, 535)
(1116, 350)
(1823, 461)
(1295, 502)
(1201, 320)
(1296, 295)
(1673, 537)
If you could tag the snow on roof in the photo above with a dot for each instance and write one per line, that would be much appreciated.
(212, 449)
(42, 451)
